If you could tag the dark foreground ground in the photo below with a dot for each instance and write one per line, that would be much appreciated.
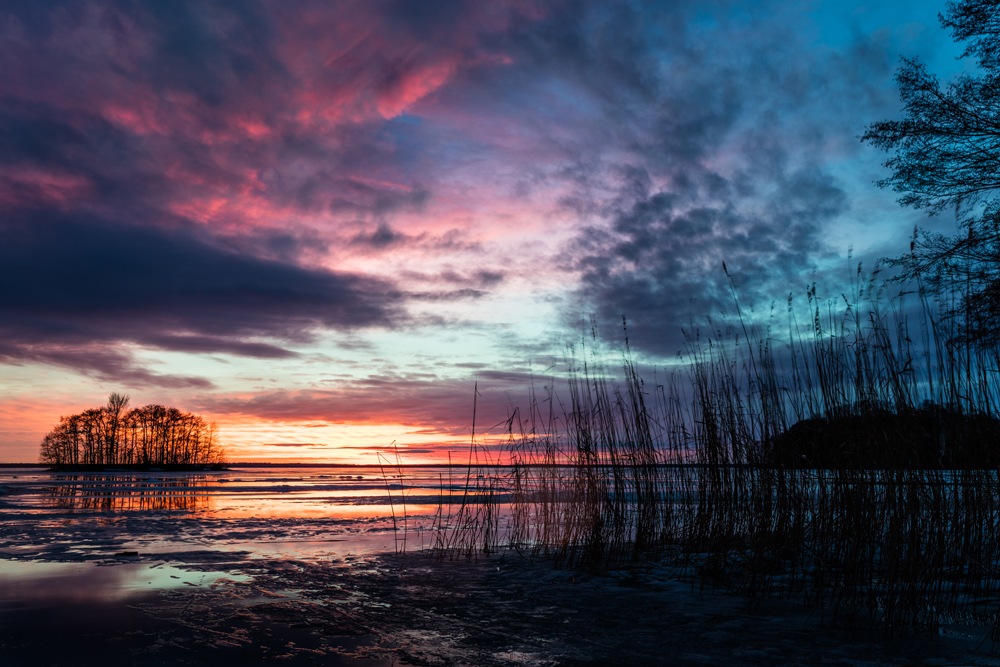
(411, 610)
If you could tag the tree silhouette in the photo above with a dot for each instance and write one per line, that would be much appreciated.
(946, 155)
(146, 436)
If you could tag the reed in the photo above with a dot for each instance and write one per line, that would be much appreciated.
(474, 527)
(853, 464)
(400, 537)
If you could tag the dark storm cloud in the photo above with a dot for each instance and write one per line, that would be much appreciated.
(66, 283)
(691, 135)
(661, 262)
(96, 359)
(123, 127)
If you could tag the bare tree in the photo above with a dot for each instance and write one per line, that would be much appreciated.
(114, 435)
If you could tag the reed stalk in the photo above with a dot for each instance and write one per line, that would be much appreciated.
(845, 465)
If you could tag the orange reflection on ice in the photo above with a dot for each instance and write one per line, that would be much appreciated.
(268, 493)
(126, 493)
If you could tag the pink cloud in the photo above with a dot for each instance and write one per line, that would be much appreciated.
(413, 87)
(34, 186)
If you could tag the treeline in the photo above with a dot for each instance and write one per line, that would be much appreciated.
(869, 435)
(114, 435)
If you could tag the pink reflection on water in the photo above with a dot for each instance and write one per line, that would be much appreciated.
(29, 581)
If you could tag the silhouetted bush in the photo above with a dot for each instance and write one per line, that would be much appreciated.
(869, 436)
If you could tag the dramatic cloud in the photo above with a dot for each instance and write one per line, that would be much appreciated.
(694, 149)
(193, 179)
(670, 260)
(417, 189)
(231, 113)
(69, 284)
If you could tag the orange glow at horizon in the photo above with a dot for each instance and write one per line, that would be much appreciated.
(23, 424)
(255, 440)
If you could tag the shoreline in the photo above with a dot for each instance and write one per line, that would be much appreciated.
(176, 467)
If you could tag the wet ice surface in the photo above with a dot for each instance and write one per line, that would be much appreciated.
(235, 514)
(160, 568)
(295, 566)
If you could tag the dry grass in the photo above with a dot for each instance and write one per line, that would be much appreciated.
(845, 465)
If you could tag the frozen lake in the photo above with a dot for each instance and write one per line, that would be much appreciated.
(295, 565)
(299, 512)
(154, 556)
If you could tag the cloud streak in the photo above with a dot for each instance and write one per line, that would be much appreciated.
(439, 403)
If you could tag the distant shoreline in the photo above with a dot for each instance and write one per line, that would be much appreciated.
(248, 464)
(177, 467)
(222, 466)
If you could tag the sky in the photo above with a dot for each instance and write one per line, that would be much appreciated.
(323, 225)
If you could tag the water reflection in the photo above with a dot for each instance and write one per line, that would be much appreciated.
(125, 493)
(286, 493)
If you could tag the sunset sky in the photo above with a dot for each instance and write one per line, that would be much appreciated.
(319, 224)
